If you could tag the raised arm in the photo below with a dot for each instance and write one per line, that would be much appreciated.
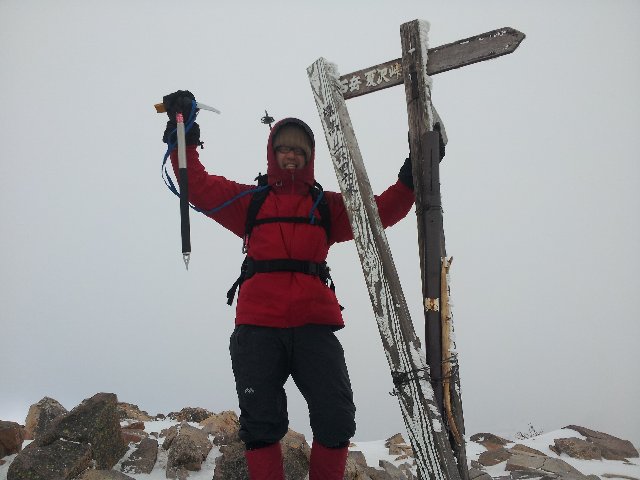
(393, 205)
(207, 192)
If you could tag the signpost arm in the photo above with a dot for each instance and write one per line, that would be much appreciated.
(450, 56)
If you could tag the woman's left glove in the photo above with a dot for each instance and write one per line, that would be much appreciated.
(406, 175)
(180, 101)
(437, 128)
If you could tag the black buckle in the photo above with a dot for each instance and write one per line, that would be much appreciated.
(248, 268)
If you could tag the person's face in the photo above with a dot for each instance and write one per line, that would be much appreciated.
(290, 158)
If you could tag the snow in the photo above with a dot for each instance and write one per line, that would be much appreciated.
(541, 443)
(374, 451)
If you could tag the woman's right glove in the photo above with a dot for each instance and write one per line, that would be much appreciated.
(180, 101)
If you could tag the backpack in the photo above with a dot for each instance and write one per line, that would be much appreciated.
(250, 266)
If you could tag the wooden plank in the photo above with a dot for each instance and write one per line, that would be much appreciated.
(449, 358)
(431, 251)
(425, 159)
(446, 57)
(423, 421)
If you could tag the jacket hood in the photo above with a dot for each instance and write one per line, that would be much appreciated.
(299, 180)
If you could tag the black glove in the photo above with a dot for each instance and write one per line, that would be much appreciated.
(436, 128)
(180, 101)
(406, 175)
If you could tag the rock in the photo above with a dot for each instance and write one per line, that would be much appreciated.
(133, 436)
(94, 422)
(612, 448)
(555, 465)
(104, 475)
(398, 446)
(494, 457)
(489, 440)
(170, 435)
(407, 470)
(394, 439)
(11, 437)
(358, 458)
(519, 448)
(224, 427)
(523, 461)
(477, 474)
(394, 472)
(41, 415)
(376, 474)
(576, 448)
(128, 411)
(296, 454)
(190, 414)
(89, 434)
(133, 426)
(143, 458)
(355, 469)
(59, 460)
(231, 464)
(532, 474)
(188, 450)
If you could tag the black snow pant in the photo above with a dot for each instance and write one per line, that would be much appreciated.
(263, 358)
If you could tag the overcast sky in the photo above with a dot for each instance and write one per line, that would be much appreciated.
(540, 192)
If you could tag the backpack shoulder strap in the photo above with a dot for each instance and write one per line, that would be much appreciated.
(257, 199)
(317, 192)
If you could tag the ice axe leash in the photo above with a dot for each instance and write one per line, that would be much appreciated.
(183, 194)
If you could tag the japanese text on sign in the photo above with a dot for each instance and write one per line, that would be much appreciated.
(371, 78)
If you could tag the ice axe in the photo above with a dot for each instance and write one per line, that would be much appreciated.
(160, 108)
(185, 229)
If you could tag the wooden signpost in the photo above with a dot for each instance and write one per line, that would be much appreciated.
(428, 388)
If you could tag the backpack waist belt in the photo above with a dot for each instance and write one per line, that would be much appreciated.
(250, 267)
(286, 265)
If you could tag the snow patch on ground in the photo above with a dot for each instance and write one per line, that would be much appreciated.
(541, 443)
(374, 451)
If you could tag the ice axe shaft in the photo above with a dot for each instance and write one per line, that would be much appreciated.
(185, 230)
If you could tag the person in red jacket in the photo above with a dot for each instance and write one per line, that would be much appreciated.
(287, 313)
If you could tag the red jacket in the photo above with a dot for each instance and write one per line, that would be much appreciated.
(285, 299)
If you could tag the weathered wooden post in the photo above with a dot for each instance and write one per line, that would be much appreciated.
(434, 421)
(401, 345)
(424, 145)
